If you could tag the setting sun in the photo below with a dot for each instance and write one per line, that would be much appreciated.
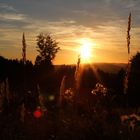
(85, 50)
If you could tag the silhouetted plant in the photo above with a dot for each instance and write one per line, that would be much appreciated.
(100, 96)
(134, 80)
(132, 121)
(77, 73)
(99, 89)
(47, 48)
(62, 90)
(129, 64)
(24, 49)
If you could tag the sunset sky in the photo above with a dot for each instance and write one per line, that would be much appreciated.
(103, 23)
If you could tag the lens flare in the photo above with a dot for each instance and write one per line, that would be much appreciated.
(37, 114)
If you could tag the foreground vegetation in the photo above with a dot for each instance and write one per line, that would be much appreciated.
(42, 101)
(55, 108)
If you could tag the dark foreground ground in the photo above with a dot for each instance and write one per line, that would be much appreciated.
(67, 124)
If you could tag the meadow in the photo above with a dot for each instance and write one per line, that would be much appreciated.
(71, 102)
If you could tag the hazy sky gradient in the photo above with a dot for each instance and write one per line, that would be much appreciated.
(104, 22)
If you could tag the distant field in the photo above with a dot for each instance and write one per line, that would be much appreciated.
(106, 67)
(110, 67)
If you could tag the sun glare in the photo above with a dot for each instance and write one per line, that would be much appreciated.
(85, 50)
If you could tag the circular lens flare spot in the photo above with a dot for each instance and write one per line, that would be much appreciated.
(37, 114)
(51, 97)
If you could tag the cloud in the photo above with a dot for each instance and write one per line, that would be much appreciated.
(8, 12)
(104, 21)
(12, 16)
(7, 8)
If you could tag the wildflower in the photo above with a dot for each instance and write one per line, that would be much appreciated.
(68, 94)
(99, 90)
(130, 120)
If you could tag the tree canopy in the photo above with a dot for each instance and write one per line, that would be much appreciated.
(47, 48)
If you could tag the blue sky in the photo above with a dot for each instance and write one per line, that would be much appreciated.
(104, 22)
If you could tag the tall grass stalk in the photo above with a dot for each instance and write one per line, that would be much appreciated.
(22, 112)
(77, 73)
(62, 90)
(128, 33)
(24, 49)
(7, 91)
(126, 79)
(2, 95)
(24, 63)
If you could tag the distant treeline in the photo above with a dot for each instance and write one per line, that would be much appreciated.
(26, 77)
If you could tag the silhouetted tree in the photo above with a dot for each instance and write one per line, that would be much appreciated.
(134, 81)
(47, 48)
